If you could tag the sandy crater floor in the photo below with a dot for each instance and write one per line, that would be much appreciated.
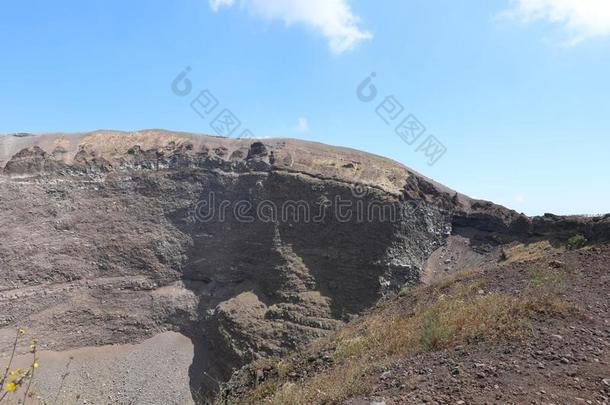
(152, 372)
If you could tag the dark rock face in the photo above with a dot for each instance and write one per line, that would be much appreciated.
(248, 248)
(595, 229)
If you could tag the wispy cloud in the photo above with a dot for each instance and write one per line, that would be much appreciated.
(302, 125)
(216, 4)
(581, 19)
(334, 19)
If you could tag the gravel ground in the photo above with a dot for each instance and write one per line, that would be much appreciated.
(152, 372)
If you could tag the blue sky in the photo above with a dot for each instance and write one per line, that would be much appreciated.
(518, 92)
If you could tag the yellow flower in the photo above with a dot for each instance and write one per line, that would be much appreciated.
(21, 331)
(35, 365)
(10, 387)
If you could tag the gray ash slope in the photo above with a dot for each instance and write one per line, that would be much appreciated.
(100, 245)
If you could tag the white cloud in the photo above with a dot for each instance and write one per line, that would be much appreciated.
(302, 125)
(332, 18)
(519, 199)
(216, 4)
(582, 19)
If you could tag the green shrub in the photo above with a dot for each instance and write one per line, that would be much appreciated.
(433, 331)
(576, 242)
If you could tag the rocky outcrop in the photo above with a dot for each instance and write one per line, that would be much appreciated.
(595, 229)
(250, 248)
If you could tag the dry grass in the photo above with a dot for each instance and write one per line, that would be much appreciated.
(344, 381)
(442, 283)
(457, 317)
(263, 391)
(550, 280)
(446, 313)
(544, 291)
(284, 367)
(528, 252)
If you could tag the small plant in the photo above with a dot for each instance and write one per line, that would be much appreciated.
(433, 332)
(545, 289)
(13, 379)
(284, 367)
(543, 278)
(576, 242)
(348, 348)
